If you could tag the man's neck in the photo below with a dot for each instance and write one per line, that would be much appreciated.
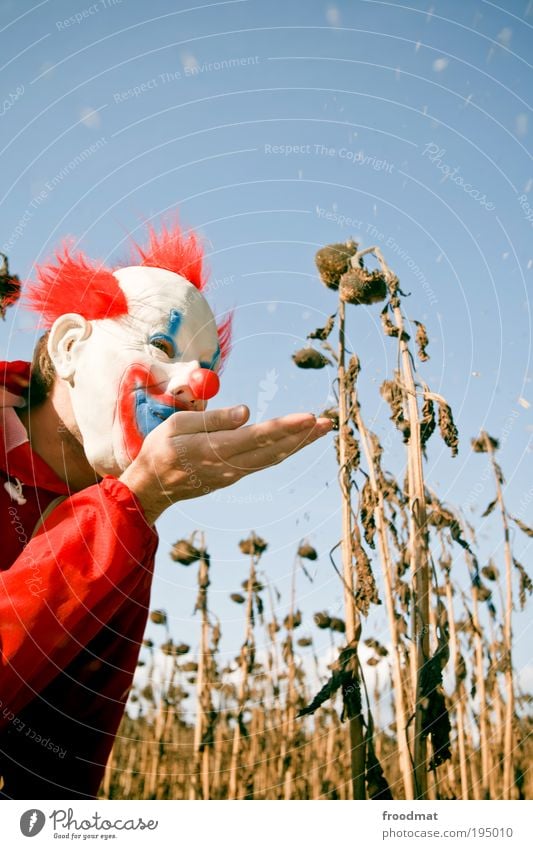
(51, 438)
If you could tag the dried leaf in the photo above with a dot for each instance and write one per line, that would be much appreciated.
(523, 527)
(427, 422)
(435, 718)
(9, 286)
(389, 328)
(484, 443)
(369, 502)
(322, 333)
(440, 518)
(447, 428)
(333, 414)
(422, 341)
(490, 572)
(392, 393)
(376, 782)
(345, 677)
(366, 591)
(490, 508)
(526, 584)
(351, 447)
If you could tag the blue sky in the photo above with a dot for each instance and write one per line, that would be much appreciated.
(274, 129)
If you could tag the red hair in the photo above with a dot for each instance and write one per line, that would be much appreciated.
(173, 251)
(74, 283)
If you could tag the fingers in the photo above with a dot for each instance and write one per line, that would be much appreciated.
(208, 421)
(250, 438)
(269, 455)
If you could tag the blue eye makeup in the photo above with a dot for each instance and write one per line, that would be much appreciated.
(213, 362)
(164, 343)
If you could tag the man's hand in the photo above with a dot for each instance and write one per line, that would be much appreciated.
(192, 454)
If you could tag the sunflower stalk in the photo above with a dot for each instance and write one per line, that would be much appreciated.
(418, 542)
(353, 629)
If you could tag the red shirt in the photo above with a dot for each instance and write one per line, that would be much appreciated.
(74, 601)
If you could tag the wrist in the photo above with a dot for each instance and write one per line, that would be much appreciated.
(144, 493)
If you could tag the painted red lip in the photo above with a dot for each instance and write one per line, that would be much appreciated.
(142, 406)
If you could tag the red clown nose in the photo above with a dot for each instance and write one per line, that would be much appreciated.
(204, 384)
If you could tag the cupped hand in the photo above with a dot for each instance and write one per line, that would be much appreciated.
(195, 453)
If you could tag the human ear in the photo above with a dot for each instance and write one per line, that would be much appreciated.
(65, 341)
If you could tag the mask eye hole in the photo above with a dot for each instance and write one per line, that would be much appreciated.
(164, 344)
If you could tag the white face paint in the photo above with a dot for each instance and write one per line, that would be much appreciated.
(131, 373)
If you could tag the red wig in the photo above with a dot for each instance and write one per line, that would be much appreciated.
(74, 283)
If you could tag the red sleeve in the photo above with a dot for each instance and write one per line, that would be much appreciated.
(89, 556)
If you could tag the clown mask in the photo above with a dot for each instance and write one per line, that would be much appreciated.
(144, 346)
